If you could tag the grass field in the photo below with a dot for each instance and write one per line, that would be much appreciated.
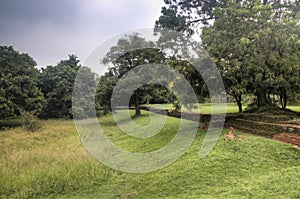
(206, 108)
(52, 163)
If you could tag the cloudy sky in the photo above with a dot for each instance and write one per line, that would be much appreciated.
(51, 30)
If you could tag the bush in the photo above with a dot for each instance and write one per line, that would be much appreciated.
(31, 122)
(175, 109)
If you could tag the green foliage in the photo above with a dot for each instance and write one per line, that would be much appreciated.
(175, 108)
(191, 74)
(133, 51)
(184, 16)
(254, 49)
(31, 122)
(84, 94)
(130, 52)
(56, 82)
(18, 83)
(104, 91)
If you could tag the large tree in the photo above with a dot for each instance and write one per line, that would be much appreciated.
(18, 80)
(130, 52)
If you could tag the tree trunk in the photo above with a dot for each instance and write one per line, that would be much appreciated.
(137, 105)
(261, 98)
(283, 99)
(238, 99)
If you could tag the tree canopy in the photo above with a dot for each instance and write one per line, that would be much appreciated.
(18, 80)
(56, 83)
(130, 52)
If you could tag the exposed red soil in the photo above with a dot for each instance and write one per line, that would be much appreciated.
(288, 138)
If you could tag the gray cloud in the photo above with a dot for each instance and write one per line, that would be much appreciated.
(50, 30)
(37, 11)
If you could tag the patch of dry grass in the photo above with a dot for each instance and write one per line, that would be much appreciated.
(52, 161)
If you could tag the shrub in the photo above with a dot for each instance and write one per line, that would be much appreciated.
(31, 122)
(175, 109)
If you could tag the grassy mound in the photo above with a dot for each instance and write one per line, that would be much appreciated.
(53, 163)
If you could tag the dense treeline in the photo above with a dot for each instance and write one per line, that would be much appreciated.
(46, 93)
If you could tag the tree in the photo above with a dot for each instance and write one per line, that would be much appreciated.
(18, 80)
(56, 82)
(83, 94)
(104, 91)
(285, 55)
(129, 53)
(229, 47)
(187, 15)
(191, 74)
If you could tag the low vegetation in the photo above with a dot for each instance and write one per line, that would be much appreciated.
(53, 163)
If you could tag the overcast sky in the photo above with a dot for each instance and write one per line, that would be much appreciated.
(50, 30)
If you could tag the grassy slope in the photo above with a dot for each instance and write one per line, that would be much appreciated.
(53, 163)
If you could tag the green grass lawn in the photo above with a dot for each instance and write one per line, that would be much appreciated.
(52, 163)
(294, 107)
(206, 108)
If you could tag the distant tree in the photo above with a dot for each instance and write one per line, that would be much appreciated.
(83, 96)
(18, 84)
(191, 74)
(56, 82)
(104, 91)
